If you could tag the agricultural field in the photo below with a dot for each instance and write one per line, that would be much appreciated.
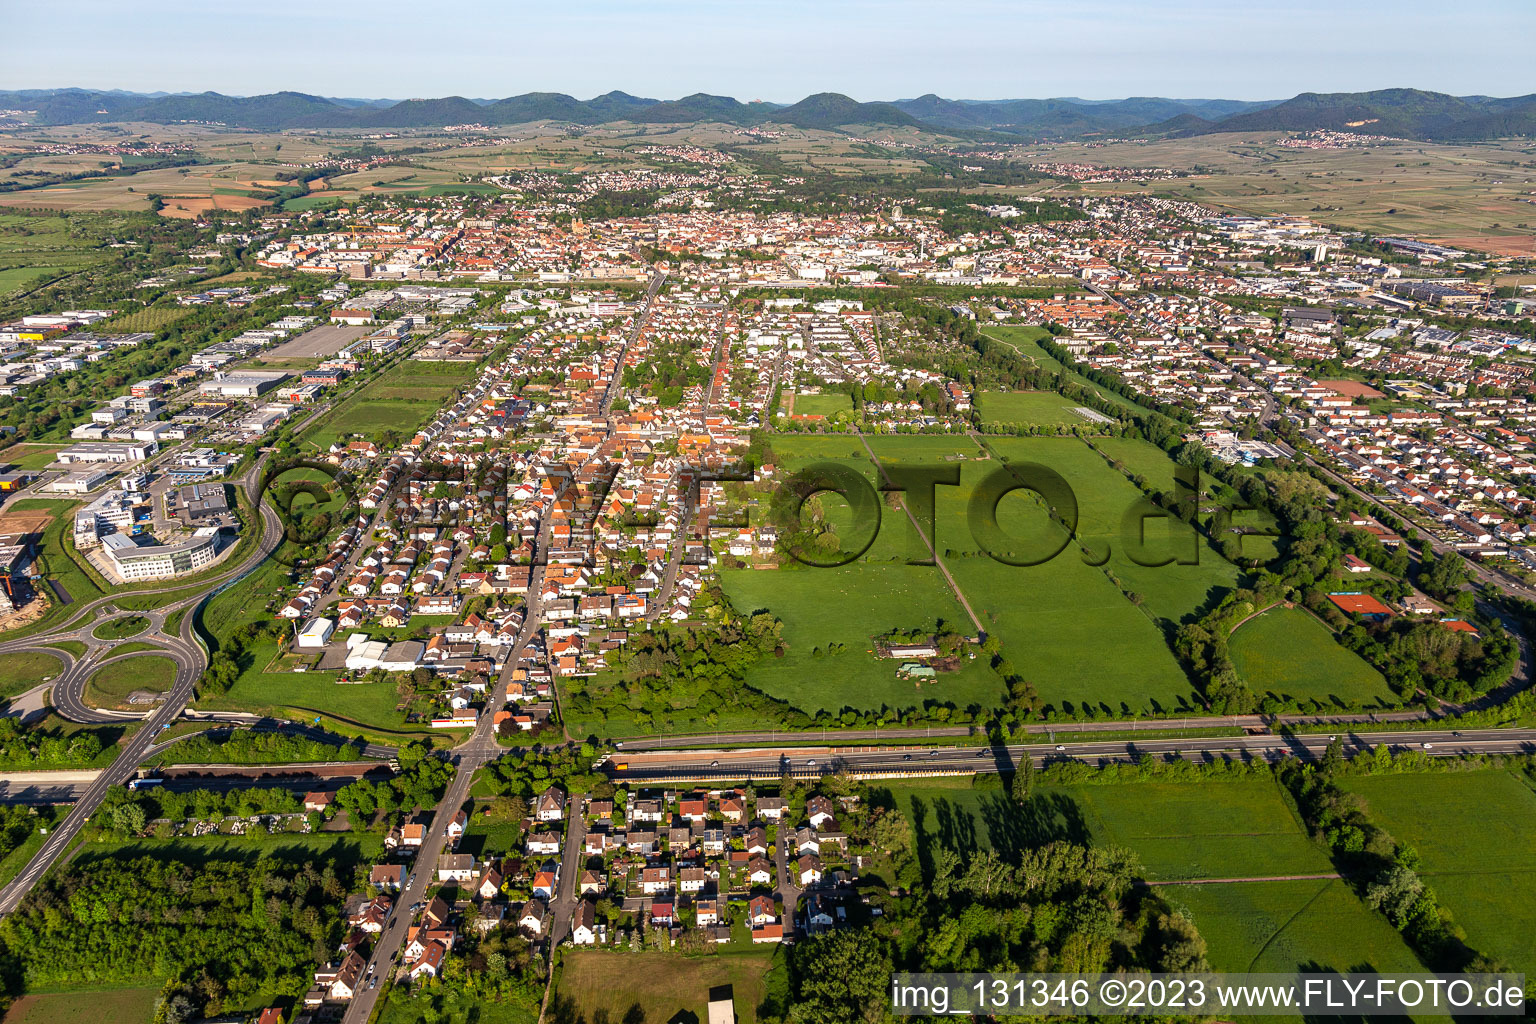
(843, 609)
(1104, 647)
(128, 1005)
(1475, 834)
(35, 249)
(1219, 829)
(1238, 829)
(1313, 924)
(667, 985)
(1462, 195)
(1033, 408)
(149, 319)
(185, 191)
(1024, 340)
(1289, 653)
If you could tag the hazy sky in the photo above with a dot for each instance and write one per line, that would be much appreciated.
(780, 50)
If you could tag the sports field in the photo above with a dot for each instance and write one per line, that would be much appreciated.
(1475, 834)
(822, 405)
(1288, 653)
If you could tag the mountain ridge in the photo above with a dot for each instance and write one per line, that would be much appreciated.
(1403, 113)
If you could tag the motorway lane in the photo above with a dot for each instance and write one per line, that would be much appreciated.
(729, 765)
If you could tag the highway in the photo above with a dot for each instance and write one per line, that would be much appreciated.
(721, 766)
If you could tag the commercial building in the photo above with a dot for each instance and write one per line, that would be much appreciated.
(199, 503)
(159, 561)
(107, 451)
(79, 482)
(317, 633)
(245, 384)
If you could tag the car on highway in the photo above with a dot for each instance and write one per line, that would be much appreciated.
(1428, 746)
(714, 764)
(811, 763)
(1061, 746)
(906, 757)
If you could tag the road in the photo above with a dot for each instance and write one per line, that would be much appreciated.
(564, 904)
(184, 648)
(479, 749)
(721, 766)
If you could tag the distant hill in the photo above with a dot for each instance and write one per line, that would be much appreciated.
(1402, 113)
(1064, 118)
(1405, 113)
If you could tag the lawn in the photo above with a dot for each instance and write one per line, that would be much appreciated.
(121, 628)
(451, 1004)
(23, 670)
(1287, 652)
(1475, 834)
(27, 455)
(666, 984)
(348, 709)
(111, 685)
(125, 1005)
(1033, 408)
(20, 857)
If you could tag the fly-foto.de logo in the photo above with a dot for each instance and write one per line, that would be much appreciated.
(797, 505)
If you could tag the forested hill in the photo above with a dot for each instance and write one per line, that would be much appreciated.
(1401, 113)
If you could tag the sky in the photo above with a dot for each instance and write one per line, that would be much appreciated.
(780, 51)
